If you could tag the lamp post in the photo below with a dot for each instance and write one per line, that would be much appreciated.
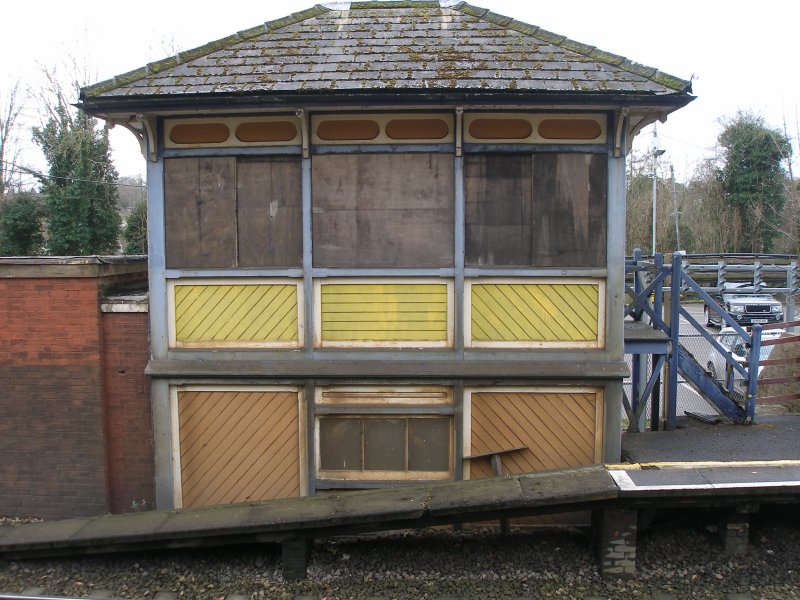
(655, 151)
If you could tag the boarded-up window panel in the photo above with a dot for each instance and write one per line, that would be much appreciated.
(383, 210)
(340, 444)
(417, 129)
(238, 446)
(570, 129)
(270, 220)
(384, 444)
(429, 444)
(546, 210)
(560, 428)
(569, 209)
(200, 212)
(384, 312)
(498, 209)
(395, 447)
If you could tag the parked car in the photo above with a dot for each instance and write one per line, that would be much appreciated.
(730, 340)
(745, 308)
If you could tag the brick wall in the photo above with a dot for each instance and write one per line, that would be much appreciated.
(74, 404)
(128, 418)
(52, 449)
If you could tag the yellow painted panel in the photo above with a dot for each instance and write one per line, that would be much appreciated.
(383, 312)
(236, 313)
(535, 312)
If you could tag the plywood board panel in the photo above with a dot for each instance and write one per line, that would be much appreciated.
(238, 446)
(540, 210)
(383, 210)
(270, 216)
(569, 208)
(498, 196)
(200, 212)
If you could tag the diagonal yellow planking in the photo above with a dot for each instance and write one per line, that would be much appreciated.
(236, 313)
(533, 312)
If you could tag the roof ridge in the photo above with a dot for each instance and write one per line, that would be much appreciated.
(207, 48)
(562, 41)
(367, 4)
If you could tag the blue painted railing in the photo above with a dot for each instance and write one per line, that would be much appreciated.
(650, 278)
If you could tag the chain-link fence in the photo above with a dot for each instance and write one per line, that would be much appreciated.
(688, 399)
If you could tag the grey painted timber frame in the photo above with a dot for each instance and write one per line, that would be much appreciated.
(310, 366)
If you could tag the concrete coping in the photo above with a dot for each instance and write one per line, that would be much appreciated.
(136, 302)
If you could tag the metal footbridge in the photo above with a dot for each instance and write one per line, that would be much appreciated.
(654, 317)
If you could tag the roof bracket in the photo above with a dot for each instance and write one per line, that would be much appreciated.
(150, 136)
(459, 132)
(621, 120)
(301, 114)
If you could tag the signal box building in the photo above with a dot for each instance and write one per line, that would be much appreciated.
(386, 247)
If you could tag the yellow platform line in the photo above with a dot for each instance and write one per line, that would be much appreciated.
(701, 464)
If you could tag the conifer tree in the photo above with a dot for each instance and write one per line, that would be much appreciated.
(80, 186)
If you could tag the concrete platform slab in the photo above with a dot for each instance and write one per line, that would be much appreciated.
(374, 506)
(771, 438)
(498, 493)
(574, 486)
(42, 534)
(113, 529)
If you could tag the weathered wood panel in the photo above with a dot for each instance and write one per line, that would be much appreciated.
(270, 214)
(546, 313)
(561, 428)
(383, 313)
(200, 212)
(236, 315)
(569, 208)
(238, 446)
(544, 210)
(498, 209)
(383, 210)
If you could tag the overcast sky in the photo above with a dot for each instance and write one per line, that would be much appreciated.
(741, 55)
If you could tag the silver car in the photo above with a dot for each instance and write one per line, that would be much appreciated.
(730, 340)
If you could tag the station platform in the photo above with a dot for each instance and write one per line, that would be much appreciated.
(733, 468)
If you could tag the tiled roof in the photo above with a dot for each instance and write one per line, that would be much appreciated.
(380, 46)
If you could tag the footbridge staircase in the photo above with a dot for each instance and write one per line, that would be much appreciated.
(655, 318)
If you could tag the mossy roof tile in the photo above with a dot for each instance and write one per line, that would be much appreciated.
(454, 45)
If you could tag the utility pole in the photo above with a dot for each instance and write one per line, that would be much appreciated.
(655, 151)
(675, 212)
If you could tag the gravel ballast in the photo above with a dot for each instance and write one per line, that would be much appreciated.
(677, 557)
